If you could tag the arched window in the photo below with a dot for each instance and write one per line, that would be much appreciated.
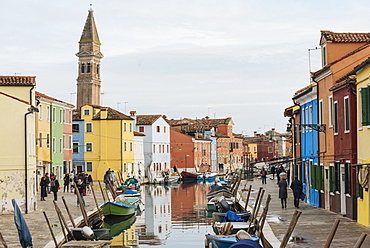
(88, 68)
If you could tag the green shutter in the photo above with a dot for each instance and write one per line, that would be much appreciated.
(365, 106)
(359, 190)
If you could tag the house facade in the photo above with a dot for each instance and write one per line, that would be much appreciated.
(18, 158)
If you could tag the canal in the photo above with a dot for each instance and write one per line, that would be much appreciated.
(172, 216)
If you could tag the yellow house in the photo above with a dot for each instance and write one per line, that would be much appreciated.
(108, 141)
(252, 151)
(17, 143)
(363, 137)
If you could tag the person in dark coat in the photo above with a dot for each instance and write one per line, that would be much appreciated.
(66, 182)
(263, 175)
(80, 190)
(296, 186)
(54, 187)
(283, 191)
(43, 186)
(278, 171)
(273, 170)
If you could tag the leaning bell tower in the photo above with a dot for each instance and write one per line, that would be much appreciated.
(89, 55)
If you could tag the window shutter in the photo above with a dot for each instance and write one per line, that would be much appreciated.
(365, 106)
(331, 178)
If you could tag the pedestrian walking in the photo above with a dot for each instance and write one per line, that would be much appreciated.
(47, 180)
(296, 186)
(278, 171)
(263, 175)
(54, 187)
(66, 182)
(283, 190)
(43, 186)
(273, 171)
(80, 190)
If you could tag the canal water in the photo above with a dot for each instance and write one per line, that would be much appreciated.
(171, 216)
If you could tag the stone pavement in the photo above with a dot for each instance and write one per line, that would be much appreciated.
(314, 224)
(36, 220)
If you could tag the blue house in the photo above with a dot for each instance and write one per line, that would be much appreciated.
(309, 169)
(78, 160)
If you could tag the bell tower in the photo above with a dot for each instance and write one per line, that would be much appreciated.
(89, 55)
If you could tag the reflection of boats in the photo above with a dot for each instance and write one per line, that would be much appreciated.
(188, 176)
(120, 208)
(223, 241)
(117, 225)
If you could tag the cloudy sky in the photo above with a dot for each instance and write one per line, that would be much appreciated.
(223, 58)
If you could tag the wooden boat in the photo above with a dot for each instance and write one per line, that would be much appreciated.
(119, 208)
(171, 179)
(223, 241)
(207, 176)
(188, 176)
(117, 225)
(218, 191)
(212, 204)
(222, 217)
(237, 226)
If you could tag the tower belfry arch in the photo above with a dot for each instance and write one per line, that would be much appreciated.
(89, 56)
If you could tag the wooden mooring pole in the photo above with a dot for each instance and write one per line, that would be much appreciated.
(332, 233)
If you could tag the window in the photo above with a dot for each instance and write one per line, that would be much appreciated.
(76, 147)
(159, 149)
(346, 114)
(70, 142)
(336, 117)
(54, 145)
(89, 167)
(86, 111)
(48, 113)
(40, 140)
(60, 145)
(88, 68)
(323, 55)
(153, 148)
(125, 146)
(303, 119)
(75, 128)
(270, 149)
(330, 111)
(130, 127)
(54, 115)
(125, 127)
(48, 140)
(307, 119)
(141, 129)
(365, 106)
(82, 68)
(88, 127)
(89, 147)
(158, 129)
(61, 116)
(164, 129)
(130, 146)
(310, 117)
(321, 119)
(40, 112)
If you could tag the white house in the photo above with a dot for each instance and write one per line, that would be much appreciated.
(139, 169)
(156, 144)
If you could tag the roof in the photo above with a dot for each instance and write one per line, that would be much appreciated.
(112, 114)
(41, 95)
(90, 32)
(76, 115)
(328, 36)
(146, 119)
(17, 80)
(138, 134)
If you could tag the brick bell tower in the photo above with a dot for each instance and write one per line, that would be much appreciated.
(89, 55)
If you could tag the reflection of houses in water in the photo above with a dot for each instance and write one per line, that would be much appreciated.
(189, 203)
(156, 226)
(126, 238)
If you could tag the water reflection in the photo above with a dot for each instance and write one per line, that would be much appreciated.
(173, 216)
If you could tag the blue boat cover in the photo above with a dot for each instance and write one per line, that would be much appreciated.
(130, 192)
(24, 234)
(230, 215)
(246, 243)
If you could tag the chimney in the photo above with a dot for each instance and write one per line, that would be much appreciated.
(133, 116)
(255, 133)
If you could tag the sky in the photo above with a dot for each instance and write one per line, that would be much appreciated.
(183, 59)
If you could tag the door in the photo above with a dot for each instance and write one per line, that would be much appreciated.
(343, 209)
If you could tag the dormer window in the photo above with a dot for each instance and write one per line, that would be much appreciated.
(86, 111)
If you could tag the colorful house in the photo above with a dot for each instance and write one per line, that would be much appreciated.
(17, 147)
(340, 53)
(156, 144)
(54, 136)
(108, 141)
(309, 171)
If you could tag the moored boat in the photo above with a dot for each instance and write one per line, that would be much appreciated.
(207, 176)
(188, 176)
(223, 241)
(120, 208)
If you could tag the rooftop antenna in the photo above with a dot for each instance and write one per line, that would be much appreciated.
(91, 4)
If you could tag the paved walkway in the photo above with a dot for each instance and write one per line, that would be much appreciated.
(36, 220)
(314, 224)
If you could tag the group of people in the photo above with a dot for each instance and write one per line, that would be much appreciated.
(50, 184)
(283, 176)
